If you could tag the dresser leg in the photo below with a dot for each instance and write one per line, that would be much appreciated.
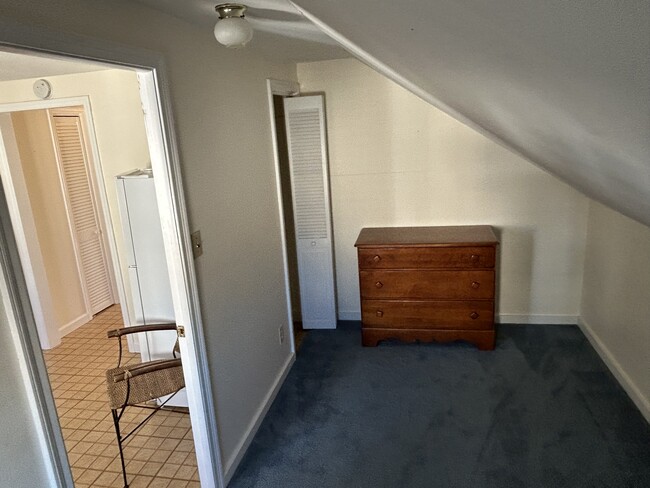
(486, 342)
(368, 339)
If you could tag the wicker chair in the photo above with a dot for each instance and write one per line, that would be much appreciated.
(135, 385)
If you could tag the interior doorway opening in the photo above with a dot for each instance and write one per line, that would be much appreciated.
(48, 166)
(168, 194)
(299, 135)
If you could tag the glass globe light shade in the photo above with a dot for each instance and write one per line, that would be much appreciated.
(233, 32)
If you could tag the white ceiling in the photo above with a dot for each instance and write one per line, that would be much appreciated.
(16, 66)
(281, 33)
(564, 83)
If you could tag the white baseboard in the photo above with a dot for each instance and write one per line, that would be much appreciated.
(351, 315)
(74, 324)
(235, 459)
(642, 403)
(548, 319)
(504, 318)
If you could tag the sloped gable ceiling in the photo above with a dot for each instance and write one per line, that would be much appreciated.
(565, 83)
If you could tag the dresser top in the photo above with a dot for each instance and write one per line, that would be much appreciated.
(460, 235)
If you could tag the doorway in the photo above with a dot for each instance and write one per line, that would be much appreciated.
(49, 167)
(55, 162)
(289, 224)
(169, 195)
(300, 149)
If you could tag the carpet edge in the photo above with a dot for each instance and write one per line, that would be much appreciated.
(236, 457)
(641, 402)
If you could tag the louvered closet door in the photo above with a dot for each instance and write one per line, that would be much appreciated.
(81, 207)
(306, 138)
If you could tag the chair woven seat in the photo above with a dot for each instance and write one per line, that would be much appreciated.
(162, 377)
(133, 385)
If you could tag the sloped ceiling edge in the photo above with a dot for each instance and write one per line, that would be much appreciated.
(603, 172)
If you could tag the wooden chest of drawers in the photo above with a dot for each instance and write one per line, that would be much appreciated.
(427, 284)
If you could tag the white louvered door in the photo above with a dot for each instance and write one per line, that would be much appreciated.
(91, 254)
(307, 145)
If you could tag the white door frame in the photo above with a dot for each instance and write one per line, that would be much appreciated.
(26, 237)
(284, 88)
(171, 202)
(23, 222)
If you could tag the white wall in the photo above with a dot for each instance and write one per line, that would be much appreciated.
(565, 83)
(397, 161)
(616, 298)
(39, 167)
(119, 126)
(19, 452)
(223, 126)
(20, 449)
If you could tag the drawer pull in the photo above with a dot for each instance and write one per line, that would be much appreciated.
(380, 313)
(377, 258)
(474, 258)
(475, 285)
(473, 315)
(379, 284)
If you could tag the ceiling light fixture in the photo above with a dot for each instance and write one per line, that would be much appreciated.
(232, 29)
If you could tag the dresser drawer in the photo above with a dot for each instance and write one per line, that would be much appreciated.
(427, 284)
(427, 257)
(427, 314)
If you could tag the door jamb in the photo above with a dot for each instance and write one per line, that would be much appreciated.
(15, 298)
(283, 88)
(171, 201)
(26, 239)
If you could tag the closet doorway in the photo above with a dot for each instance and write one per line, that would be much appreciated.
(302, 175)
(85, 213)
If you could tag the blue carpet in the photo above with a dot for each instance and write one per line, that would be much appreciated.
(542, 410)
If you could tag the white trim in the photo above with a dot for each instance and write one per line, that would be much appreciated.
(24, 330)
(283, 88)
(185, 295)
(37, 38)
(31, 256)
(349, 315)
(633, 391)
(20, 211)
(538, 319)
(75, 324)
(253, 427)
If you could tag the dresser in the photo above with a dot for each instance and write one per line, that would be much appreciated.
(428, 284)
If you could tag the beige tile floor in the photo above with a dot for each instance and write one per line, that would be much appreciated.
(160, 455)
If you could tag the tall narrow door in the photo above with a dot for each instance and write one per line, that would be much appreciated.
(82, 210)
(307, 144)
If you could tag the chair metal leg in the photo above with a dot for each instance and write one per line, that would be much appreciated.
(116, 422)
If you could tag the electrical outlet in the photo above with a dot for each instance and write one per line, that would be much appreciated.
(281, 334)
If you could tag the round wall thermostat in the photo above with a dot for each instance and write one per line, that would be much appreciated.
(42, 89)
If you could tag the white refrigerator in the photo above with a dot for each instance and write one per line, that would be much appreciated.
(148, 278)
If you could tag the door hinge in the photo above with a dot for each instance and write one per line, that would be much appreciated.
(181, 330)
